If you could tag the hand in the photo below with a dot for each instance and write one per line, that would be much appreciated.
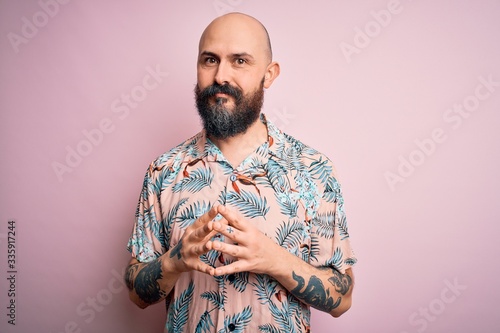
(255, 252)
(186, 254)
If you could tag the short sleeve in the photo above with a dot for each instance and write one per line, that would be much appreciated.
(147, 240)
(331, 239)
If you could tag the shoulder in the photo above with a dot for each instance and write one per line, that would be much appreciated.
(173, 158)
(318, 164)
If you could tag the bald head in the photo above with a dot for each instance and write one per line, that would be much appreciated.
(236, 30)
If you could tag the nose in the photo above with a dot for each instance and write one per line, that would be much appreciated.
(223, 74)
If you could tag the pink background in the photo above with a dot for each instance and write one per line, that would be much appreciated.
(366, 82)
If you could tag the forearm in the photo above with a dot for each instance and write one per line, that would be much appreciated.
(325, 288)
(151, 282)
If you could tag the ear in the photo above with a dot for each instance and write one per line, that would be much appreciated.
(272, 72)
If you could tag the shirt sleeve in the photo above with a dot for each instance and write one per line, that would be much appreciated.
(331, 241)
(147, 240)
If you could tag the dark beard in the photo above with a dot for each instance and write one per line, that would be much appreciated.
(219, 121)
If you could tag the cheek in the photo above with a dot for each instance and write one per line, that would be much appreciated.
(204, 78)
(249, 86)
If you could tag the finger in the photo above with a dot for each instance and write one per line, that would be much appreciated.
(235, 267)
(204, 268)
(229, 231)
(230, 249)
(207, 217)
(233, 217)
(207, 230)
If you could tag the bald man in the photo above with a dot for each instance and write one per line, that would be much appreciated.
(240, 228)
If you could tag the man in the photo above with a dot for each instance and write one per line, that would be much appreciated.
(240, 228)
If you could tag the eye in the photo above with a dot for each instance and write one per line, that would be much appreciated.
(240, 61)
(210, 61)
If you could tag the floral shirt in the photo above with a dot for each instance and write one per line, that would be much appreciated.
(287, 189)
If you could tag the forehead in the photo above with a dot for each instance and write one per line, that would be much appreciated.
(233, 37)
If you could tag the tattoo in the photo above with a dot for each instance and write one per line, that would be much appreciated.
(315, 293)
(129, 276)
(176, 251)
(341, 282)
(146, 285)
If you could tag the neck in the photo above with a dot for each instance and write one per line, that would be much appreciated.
(235, 149)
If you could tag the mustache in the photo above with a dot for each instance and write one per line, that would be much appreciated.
(216, 88)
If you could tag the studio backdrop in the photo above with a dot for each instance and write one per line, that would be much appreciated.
(403, 96)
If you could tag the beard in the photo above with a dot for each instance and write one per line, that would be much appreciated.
(221, 121)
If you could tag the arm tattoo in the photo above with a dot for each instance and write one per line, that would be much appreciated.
(341, 282)
(146, 285)
(129, 276)
(176, 251)
(315, 293)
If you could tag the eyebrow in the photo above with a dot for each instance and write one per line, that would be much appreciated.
(234, 55)
(210, 54)
(242, 55)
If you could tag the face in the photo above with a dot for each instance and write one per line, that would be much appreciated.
(234, 67)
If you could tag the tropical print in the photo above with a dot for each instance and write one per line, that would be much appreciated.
(287, 189)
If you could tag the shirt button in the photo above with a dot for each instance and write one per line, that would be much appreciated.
(232, 177)
(231, 277)
(231, 327)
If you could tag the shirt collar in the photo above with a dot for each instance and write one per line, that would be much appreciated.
(207, 150)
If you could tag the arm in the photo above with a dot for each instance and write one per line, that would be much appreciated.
(151, 282)
(324, 288)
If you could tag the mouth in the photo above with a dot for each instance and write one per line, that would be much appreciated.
(221, 98)
(222, 95)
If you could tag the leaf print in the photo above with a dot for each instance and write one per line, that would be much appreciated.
(240, 281)
(288, 206)
(282, 318)
(192, 212)
(222, 196)
(261, 151)
(321, 170)
(276, 175)
(332, 190)
(314, 249)
(350, 261)
(170, 219)
(238, 321)
(342, 225)
(268, 328)
(178, 315)
(197, 180)
(148, 217)
(336, 260)
(214, 297)
(293, 160)
(289, 235)
(205, 323)
(157, 228)
(210, 257)
(249, 204)
(169, 155)
(296, 144)
(325, 223)
(164, 179)
(264, 288)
